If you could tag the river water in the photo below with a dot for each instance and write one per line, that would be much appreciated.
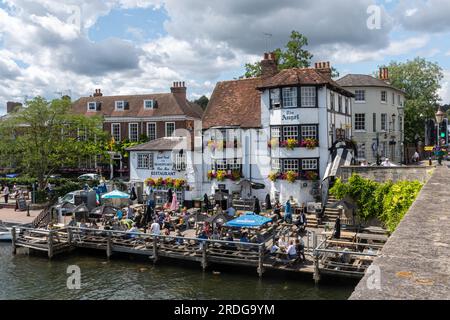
(35, 277)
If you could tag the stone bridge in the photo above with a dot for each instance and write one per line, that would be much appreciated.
(415, 262)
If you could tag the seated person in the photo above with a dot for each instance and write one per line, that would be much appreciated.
(244, 238)
(179, 236)
(133, 230)
(282, 244)
(274, 249)
(291, 251)
(119, 214)
(215, 235)
(231, 212)
(155, 228)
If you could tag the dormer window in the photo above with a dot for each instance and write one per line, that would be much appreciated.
(275, 98)
(149, 104)
(120, 105)
(92, 106)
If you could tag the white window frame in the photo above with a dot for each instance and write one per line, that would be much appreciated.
(347, 105)
(308, 97)
(145, 161)
(358, 94)
(152, 104)
(291, 131)
(276, 164)
(89, 104)
(221, 165)
(309, 132)
(174, 128)
(235, 164)
(291, 165)
(275, 98)
(393, 98)
(359, 121)
(292, 93)
(148, 130)
(137, 132)
(119, 134)
(180, 162)
(384, 124)
(340, 104)
(332, 101)
(310, 164)
(117, 105)
(384, 97)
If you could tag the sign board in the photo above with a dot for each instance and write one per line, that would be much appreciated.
(429, 148)
(22, 204)
(163, 166)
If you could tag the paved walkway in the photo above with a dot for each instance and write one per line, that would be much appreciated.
(415, 262)
(20, 217)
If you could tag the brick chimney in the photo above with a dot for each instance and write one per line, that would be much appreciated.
(269, 66)
(179, 90)
(98, 93)
(12, 106)
(384, 74)
(324, 68)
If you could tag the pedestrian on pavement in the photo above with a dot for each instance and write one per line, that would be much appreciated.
(6, 193)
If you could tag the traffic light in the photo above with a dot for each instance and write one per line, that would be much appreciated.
(443, 132)
(430, 133)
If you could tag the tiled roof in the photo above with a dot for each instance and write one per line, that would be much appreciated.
(234, 103)
(162, 144)
(167, 104)
(301, 76)
(362, 80)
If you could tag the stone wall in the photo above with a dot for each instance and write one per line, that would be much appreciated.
(383, 174)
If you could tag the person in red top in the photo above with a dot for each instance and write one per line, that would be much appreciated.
(207, 229)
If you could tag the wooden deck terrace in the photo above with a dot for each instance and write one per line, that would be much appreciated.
(319, 258)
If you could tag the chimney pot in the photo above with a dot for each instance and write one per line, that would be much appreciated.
(266, 56)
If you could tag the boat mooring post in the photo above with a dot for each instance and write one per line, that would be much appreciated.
(50, 244)
(13, 233)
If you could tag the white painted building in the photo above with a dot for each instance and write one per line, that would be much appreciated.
(378, 116)
(296, 106)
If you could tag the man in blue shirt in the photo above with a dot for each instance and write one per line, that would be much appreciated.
(287, 212)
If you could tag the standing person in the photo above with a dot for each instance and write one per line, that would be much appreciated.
(169, 196)
(257, 207)
(277, 210)
(6, 193)
(415, 157)
(287, 212)
(300, 247)
(150, 205)
(337, 229)
(268, 202)
(205, 202)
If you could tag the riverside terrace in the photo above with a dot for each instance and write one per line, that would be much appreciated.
(348, 256)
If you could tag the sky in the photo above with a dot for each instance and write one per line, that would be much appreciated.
(52, 48)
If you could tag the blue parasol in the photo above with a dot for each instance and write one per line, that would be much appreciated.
(248, 220)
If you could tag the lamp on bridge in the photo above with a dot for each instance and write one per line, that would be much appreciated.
(440, 115)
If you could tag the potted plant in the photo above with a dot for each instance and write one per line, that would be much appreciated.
(310, 144)
(273, 176)
(290, 144)
(291, 176)
(221, 175)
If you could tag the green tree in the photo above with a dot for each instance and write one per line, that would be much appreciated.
(292, 56)
(202, 102)
(420, 79)
(45, 136)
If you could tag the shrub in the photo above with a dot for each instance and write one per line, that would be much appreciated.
(388, 201)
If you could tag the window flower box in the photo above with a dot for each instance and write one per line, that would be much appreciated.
(310, 144)
(221, 175)
(168, 183)
(289, 176)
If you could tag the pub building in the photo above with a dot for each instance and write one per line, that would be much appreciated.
(273, 134)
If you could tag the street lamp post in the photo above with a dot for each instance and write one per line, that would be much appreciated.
(440, 115)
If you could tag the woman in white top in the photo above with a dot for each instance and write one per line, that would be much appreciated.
(291, 251)
(155, 229)
(282, 243)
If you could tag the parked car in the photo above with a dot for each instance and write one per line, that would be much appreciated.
(89, 177)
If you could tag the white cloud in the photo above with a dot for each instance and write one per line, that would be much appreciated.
(444, 92)
(349, 54)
